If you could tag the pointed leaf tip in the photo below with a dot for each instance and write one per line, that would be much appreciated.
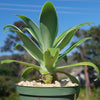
(17, 46)
(6, 61)
(67, 35)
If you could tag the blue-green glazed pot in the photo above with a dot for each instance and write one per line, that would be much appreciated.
(47, 93)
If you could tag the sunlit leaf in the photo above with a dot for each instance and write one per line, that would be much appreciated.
(63, 39)
(71, 48)
(32, 27)
(24, 63)
(13, 26)
(48, 25)
(29, 45)
(50, 57)
(79, 64)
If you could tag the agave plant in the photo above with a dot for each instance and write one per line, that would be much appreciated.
(49, 45)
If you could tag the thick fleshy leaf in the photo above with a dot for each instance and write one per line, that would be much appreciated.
(29, 45)
(13, 26)
(48, 25)
(50, 57)
(27, 49)
(71, 48)
(74, 80)
(27, 71)
(60, 37)
(24, 63)
(33, 28)
(80, 64)
(63, 40)
(30, 31)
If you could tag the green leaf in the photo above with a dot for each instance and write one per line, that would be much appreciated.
(60, 37)
(17, 46)
(24, 63)
(13, 26)
(71, 48)
(27, 49)
(80, 64)
(30, 52)
(30, 31)
(30, 46)
(53, 51)
(48, 25)
(32, 27)
(63, 40)
(50, 57)
(74, 80)
(27, 71)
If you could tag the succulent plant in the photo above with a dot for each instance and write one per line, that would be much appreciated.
(49, 44)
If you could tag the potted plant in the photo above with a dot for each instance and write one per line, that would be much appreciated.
(47, 54)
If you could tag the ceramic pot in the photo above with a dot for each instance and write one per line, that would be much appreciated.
(47, 93)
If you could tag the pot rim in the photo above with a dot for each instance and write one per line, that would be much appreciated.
(47, 87)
